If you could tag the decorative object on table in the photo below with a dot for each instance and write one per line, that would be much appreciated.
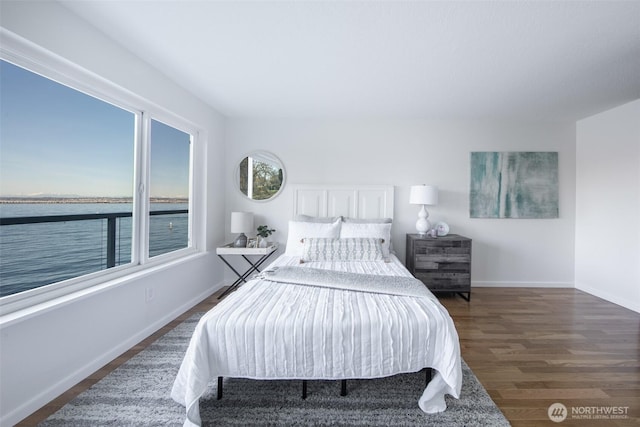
(241, 222)
(432, 233)
(252, 243)
(423, 195)
(441, 229)
(263, 233)
(514, 185)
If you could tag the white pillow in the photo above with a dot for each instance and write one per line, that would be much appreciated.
(298, 230)
(323, 219)
(368, 220)
(381, 231)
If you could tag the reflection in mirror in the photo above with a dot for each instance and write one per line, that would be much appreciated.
(260, 175)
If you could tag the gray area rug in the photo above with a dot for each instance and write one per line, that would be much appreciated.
(137, 394)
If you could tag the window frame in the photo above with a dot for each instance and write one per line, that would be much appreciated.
(145, 180)
(25, 54)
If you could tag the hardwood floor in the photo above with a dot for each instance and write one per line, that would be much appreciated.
(529, 347)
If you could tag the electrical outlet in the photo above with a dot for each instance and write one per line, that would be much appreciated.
(148, 295)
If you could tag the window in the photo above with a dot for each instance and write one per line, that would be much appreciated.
(169, 188)
(79, 177)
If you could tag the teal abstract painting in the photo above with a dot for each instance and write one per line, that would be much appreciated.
(514, 185)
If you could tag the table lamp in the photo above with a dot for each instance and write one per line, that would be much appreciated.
(423, 195)
(241, 222)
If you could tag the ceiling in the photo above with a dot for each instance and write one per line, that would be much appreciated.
(477, 60)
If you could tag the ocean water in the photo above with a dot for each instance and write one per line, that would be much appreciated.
(34, 255)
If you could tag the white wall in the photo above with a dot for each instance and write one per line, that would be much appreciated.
(608, 205)
(48, 351)
(506, 252)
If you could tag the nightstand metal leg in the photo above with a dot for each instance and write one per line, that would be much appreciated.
(242, 278)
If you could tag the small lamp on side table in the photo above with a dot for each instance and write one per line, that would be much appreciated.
(423, 195)
(241, 222)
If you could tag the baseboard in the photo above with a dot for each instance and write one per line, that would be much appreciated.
(615, 299)
(629, 303)
(483, 284)
(80, 374)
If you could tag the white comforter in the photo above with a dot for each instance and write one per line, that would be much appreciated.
(269, 330)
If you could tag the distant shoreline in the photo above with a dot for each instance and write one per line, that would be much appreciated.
(85, 200)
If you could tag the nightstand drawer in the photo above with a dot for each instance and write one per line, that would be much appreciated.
(433, 261)
(440, 246)
(440, 280)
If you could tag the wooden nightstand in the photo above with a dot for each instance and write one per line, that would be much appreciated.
(442, 263)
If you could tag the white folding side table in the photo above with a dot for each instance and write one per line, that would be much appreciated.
(229, 250)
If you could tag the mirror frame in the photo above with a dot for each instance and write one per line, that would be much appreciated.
(236, 175)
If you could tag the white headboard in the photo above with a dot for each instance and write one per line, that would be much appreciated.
(355, 201)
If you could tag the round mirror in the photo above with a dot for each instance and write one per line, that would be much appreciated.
(260, 176)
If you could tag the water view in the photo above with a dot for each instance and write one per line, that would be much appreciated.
(34, 255)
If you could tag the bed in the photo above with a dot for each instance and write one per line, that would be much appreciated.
(337, 305)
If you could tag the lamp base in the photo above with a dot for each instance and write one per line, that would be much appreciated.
(241, 241)
(422, 224)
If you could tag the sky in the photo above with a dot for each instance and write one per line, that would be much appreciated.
(57, 141)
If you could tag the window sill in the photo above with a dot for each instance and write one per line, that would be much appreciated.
(36, 305)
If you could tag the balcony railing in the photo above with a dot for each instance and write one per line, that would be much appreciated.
(111, 224)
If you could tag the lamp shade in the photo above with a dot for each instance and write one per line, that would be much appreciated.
(241, 222)
(423, 195)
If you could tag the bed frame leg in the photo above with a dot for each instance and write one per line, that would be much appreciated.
(219, 388)
(343, 388)
(429, 375)
(304, 389)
